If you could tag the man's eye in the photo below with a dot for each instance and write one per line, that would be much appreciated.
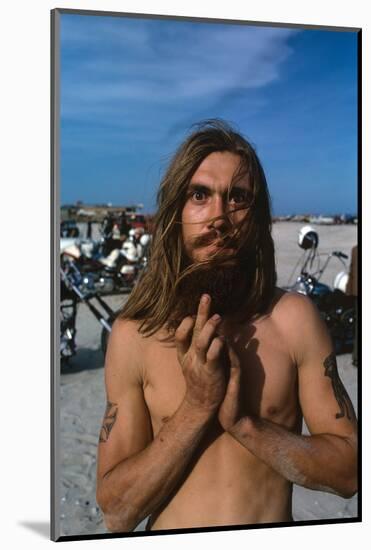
(238, 197)
(198, 195)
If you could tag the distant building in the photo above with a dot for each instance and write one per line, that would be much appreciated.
(336, 219)
(96, 213)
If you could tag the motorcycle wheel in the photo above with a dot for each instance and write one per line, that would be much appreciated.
(67, 331)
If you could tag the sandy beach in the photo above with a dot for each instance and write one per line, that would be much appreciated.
(82, 399)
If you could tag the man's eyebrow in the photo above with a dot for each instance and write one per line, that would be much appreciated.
(204, 187)
(193, 186)
(243, 188)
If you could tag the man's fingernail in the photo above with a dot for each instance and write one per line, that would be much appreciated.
(205, 298)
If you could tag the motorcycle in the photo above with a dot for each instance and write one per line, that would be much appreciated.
(335, 306)
(74, 291)
(127, 261)
(116, 272)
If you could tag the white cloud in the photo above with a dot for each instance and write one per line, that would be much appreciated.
(164, 62)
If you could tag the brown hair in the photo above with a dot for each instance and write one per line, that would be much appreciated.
(154, 298)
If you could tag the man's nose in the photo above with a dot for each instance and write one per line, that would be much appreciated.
(219, 214)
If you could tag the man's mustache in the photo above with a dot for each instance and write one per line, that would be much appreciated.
(224, 241)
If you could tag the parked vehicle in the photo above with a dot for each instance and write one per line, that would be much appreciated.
(69, 229)
(336, 307)
(114, 273)
(86, 277)
(74, 290)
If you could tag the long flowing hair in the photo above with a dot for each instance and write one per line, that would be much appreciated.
(154, 298)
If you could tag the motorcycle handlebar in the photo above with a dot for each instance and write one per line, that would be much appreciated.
(340, 254)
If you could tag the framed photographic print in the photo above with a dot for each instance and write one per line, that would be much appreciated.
(206, 321)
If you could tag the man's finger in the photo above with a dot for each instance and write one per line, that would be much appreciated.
(234, 372)
(183, 336)
(234, 362)
(215, 351)
(203, 340)
(202, 314)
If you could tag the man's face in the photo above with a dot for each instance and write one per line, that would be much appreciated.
(214, 208)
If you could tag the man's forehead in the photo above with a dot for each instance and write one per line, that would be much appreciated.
(222, 167)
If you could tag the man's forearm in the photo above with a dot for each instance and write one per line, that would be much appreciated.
(323, 462)
(138, 485)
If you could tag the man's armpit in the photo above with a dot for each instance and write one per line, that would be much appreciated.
(109, 420)
(340, 393)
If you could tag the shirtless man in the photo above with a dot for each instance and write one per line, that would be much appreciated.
(210, 368)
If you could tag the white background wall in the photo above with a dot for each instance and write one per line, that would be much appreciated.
(24, 273)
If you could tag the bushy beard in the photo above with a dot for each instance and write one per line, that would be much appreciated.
(227, 282)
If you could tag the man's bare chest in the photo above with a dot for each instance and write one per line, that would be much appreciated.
(268, 377)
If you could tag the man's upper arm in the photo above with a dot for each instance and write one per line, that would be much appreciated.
(126, 427)
(325, 404)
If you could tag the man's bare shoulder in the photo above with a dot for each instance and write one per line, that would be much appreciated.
(124, 328)
(130, 331)
(293, 307)
(125, 348)
(295, 314)
(300, 322)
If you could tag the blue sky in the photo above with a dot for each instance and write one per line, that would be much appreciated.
(131, 89)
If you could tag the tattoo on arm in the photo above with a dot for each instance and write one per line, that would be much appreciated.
(108, 421)
(341, 396)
